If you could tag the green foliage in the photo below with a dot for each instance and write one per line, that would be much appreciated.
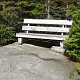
(72, 44)
(1, 6)
(78, 68)
(36, 12)
(72, 7)
(6, 34)
(70, 11)
(23, 4)
(11, 17)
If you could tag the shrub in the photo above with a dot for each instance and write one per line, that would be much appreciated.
(78, 69)
(72, 44)
(6, 34)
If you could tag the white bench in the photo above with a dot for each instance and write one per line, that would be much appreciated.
(56, 29)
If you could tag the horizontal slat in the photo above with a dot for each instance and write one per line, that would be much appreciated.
(42, 36)
(45, 21)
(48, 29)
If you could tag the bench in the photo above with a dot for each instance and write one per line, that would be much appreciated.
(44, 29)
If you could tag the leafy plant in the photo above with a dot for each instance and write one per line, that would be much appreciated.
(6, 34)
(72, 44)
(78, 68)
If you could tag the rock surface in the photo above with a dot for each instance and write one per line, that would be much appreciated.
(28, 62)
(58, 49)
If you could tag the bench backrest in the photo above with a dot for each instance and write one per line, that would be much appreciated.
(46, 25)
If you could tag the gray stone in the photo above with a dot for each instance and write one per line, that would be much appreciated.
(58, 49)
(29, 62)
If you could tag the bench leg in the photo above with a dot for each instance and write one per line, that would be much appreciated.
(20, 40)
(61, 44)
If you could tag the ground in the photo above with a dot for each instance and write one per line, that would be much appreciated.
(29, 62)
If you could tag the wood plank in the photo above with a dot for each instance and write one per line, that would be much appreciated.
(45, 21)
(42, 36)
(47, 29)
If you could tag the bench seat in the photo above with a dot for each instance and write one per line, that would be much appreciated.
(42, 36)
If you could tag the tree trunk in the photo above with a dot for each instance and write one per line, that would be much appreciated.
(48, 9)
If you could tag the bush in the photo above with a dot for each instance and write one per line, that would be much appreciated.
(72, 48)
(78, 69)
(72, 44)
(6, 34)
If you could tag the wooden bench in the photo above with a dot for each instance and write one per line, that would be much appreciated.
(45, 29)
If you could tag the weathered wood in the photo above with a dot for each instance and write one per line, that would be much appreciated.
(47, 29)
(61, 27)
(45, 21)
(42, 36)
